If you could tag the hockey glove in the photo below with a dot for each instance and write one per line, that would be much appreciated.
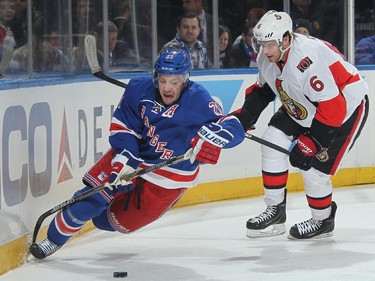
(122, 165)
(303, 153)
(208, 143)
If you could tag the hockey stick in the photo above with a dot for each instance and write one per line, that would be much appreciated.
(267, 143)
(7, 55)
(92, 58)
(87, 193)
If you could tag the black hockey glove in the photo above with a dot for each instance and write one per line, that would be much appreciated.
(303, 153)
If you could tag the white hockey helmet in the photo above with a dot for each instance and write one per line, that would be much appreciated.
(272, 26)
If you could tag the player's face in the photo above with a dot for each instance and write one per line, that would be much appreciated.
(170, 87)
(189, 30)
(271, 50)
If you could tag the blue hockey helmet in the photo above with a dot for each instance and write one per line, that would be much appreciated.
(172, 61)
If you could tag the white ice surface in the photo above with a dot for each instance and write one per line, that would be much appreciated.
(208, 243)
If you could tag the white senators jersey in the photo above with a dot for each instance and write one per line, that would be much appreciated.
(315, 82)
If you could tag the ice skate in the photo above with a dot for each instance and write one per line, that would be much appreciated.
(269, 223)
(313, 228)
(43, 249)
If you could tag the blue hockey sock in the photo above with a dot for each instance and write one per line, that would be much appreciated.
(70, 220)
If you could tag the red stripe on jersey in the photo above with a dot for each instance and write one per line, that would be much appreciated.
(332, 112)
(319, 203)
(274, 180)
(250, 89)
(342, 76)
(348, 140)
(65, 228)
(118, 127)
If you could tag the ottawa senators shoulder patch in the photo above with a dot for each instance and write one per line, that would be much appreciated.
(304, 64)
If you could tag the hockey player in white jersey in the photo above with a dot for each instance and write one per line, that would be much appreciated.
(324, 108)
(157, 118)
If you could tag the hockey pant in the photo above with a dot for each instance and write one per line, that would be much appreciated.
(282, 131)
(112, 210)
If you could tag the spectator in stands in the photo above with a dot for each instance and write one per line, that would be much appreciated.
(365, 51)
(225, 46)
(6, 12)
(325, 16)
(128, 33)
(302, 26)
(6, 15)
(43, 60)
(206, 22)
(7, 42)
(79, 56)
(122, 14)
(112, 40)
(242, 54)
(188, 29)
(18, 24)
(84, 20)
(255, 14)
(57, 60)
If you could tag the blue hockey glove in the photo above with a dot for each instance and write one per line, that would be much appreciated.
(123, 164)
(208, 143)
(303, 153)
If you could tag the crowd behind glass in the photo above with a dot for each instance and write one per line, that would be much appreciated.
(130, 33)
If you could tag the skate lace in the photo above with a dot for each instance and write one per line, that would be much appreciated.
(307, 226)
(266, 215)
(48, 247)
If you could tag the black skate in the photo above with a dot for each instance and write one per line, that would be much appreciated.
(313, 228)
(269, 223)
(43, 249)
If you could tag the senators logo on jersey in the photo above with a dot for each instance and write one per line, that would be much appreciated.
(294, 109)
(323, 156)
(304, 64)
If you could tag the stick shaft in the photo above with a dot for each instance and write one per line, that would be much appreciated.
(267, 143)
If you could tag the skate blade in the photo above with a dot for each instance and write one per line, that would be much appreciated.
(272, 230)
(317, 237)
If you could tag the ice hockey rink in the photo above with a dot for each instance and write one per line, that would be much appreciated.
(208, 243)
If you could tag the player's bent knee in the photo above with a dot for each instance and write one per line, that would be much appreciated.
(277, 137)
(101, 222)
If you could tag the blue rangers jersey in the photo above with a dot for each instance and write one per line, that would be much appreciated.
(154, 132)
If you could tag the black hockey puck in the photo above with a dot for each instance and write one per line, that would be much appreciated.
(120, 274)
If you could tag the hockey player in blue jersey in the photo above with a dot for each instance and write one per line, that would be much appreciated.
(157, 118)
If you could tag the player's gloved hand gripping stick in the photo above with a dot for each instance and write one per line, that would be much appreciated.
(303, 153)
(123, 163)
(83, 195)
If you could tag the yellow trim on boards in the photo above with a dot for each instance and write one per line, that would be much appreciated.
(14, 253)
